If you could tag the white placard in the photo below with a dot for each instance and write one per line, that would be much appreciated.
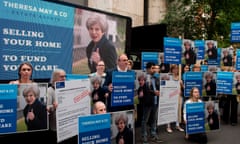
(73, 101)
(168, 102)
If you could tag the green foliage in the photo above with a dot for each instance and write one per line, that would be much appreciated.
(202, 19)
(174, 18)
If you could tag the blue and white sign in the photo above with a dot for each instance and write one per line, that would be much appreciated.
(192, 79)
(195, 117)
(123, 88)
(149, 57)
(225, 82)
(237, 59)
(200, 46)
(235, 32)
(94, 129)
(27, 35)
(172, 50)
(8, 107)
(75, 76)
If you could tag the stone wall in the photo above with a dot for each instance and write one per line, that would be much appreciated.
(130, 8)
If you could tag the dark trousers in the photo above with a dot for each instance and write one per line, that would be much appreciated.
(230, 109)
(24, 138)
(200, 138)
(43, 137)
(139, 115)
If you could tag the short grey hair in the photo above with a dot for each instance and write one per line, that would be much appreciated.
(96, 79)
(209, 74)
(142, 75)
(121, 116)
(32, 88)
(97, 19)
(55, 75)
(210, 105)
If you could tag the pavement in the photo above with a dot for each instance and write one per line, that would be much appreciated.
(227, 134)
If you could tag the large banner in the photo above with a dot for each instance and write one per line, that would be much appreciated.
(38, 32)
(52, 35)
(23, 108)
(73, 101)
(168, 102)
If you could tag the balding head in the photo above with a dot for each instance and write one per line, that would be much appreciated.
(99, 108)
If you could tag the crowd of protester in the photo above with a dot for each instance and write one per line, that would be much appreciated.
(147, 93)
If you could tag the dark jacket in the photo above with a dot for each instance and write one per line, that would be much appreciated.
(40, 112)
(165, 68)
(101, 95)
(212, 91)
(227, 61)
(127, 136)
(215, 118)
(213, 52)
(148, 96)
(191, 57)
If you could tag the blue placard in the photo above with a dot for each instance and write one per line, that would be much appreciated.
(192, 79)
(235, 32)
(149, 57)
(75, 76)
(204, 68)
(123, 88)
(94, 129)
(60, 85)
(200, 46)
(172, 50)
(225, 82)
(195, 117)
(216, 62)
(8, 107)
(237, 65)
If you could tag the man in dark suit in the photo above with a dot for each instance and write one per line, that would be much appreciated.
(122, 66)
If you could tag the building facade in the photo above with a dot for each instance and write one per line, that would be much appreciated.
(142, 12)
